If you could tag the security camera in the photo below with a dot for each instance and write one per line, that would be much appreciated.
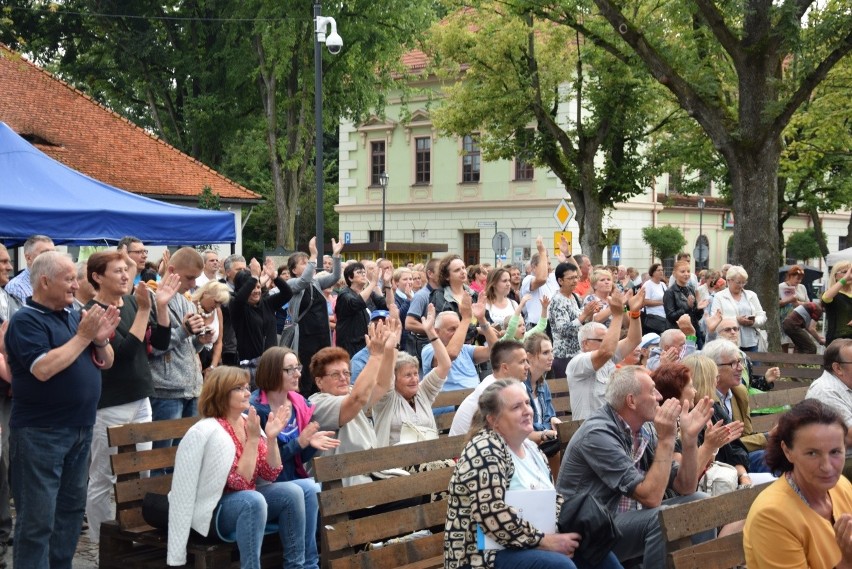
(334, 43)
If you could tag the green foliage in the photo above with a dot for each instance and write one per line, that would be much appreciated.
(665, 241)
(208, 199)
(802, 245)
(520, 81)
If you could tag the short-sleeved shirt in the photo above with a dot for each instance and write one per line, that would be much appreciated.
(419, 302)
(533, 307)
(599, 460)
(70, 397)
(464, 415)
(831, 391)
(587, 386)
(463, 374)
(357, 434)
(655, 291)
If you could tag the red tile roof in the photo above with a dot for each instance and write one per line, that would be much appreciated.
(72, 128)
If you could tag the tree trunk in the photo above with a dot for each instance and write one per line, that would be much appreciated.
(818, 234)
(754, 179)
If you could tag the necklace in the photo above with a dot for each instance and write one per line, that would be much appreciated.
(204, 315)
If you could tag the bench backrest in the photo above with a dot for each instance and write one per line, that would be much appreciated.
(129, 465)
(404, 502)
(801, 367)
(680, 522)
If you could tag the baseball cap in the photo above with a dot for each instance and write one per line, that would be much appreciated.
(649, 339)
(379, 314)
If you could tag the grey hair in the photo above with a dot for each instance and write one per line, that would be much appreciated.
(439, 318)
(623, 382)
(490, 404)
(736, 271)
(48, 264)
(230, 260)
(404, 359)
(29, 244)
(720, 349)
(209, 252)
(587, 330)
(81, 270)
(667, 338)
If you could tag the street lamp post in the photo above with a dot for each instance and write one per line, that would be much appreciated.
(383, 182)
(701, 204)
(335, 44)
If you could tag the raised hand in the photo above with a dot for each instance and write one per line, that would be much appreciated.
(252, 426)
(429, 321)
(254, 267)
(564, 246)
(616, 301)
(478, 308)
(143, 297)
(693, 420)
(717, 435)
(635, 302)
(665, 419)
(90, 322)
(376, 337)
(685, 325)
(528, 297)
(394, 328)
(336, 247)
(545, 303)
(539, 244)
(276, 421)
(107, 324)
(465, 306)
(269, 268)
(312, 247)
(167, 288)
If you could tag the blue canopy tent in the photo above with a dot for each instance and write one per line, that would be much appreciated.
(39, 195)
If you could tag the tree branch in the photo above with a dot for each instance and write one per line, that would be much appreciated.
(716, 23)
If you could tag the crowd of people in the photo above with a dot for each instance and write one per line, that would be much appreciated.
(321, 356)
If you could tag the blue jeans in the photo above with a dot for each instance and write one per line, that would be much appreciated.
(242, 517)
(163, 409)
(542, 559)
(310, 489)
(50, 467)
(757, 461)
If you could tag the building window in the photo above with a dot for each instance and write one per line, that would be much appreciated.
(375, 236)
(523, 168)
(470, 254)
(470, 159)
(422, 160)
(377, 161)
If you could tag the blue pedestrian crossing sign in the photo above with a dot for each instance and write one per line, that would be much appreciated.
(615, 254)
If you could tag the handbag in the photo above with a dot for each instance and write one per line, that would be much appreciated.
(719, 478)
(411, 433)
(583, 514)
(654, 323)
(288, 333)
(549, 448)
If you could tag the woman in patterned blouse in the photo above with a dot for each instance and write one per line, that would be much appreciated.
(499, 457)
(224, 479)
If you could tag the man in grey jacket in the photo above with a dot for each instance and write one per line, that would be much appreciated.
(177, 370)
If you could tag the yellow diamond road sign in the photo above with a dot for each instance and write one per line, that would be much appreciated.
(563, 214)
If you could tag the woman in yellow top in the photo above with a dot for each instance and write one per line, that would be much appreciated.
(803, 519)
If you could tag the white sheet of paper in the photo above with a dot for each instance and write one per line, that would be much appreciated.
(537, 507)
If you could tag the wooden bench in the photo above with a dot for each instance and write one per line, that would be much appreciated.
(795, 367)
(402, 507)
(680, 522)
(128, 542)
(774, 398)
(558, 392)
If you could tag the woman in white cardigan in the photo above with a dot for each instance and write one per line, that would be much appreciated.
(410, 401)
(224, 477)
(736, 302)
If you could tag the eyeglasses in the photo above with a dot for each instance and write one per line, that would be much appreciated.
(289, 370)
(143, 251)
(338, 375)
(733, 364)
(571, 278)
(242, 388)
(359, 272)
(730, 329)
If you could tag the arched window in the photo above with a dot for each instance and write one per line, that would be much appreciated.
(731, 259)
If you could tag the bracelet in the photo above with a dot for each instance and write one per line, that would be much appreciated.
(433, 339)
(692, 337)
(104, 345)
(634, 314)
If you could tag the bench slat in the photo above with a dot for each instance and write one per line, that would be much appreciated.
(134, 433)
(691, 518)
(339, 500)
(417, 553)
(386, 525)
(796, 373)
(135, 462)
(784, 358)
(454, 398)
(720, 553)
(136, 488)
(776, 398)
(340, 466)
